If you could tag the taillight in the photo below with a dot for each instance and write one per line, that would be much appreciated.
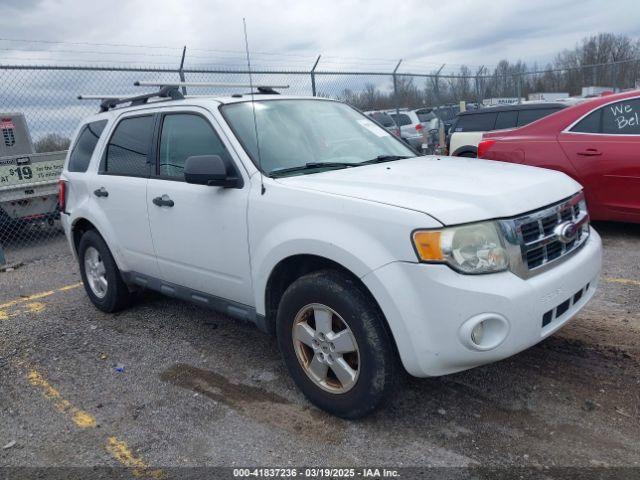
(419, 127)
(484, 146)
(62, 196)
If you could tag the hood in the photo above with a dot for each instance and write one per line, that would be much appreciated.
(452, 190)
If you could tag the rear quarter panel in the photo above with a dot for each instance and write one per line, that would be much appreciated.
(543, 151)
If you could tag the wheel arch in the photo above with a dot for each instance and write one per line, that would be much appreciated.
(78, 228)
(466, 149)
(289, 269)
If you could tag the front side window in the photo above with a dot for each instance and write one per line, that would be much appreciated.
(128, 150)
(84, 147)
(183, 136)
(622, 118)
(295, 133)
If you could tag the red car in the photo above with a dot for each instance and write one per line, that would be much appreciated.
(597, 142)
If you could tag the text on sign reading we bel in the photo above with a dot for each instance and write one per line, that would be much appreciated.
(625, 116)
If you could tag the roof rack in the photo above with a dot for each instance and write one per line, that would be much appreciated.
(170, 91)
(112, 101)
(264, 89)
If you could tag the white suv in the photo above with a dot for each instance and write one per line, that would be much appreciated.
(320, 226)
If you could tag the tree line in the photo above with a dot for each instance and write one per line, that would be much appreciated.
(605, 59)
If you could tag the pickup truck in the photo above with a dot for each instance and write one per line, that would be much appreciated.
(307, 218)
(28, 180)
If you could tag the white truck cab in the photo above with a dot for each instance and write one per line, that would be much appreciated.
(315, 223)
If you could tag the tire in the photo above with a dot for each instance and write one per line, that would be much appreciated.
(375, 360)
(468, 155)
(116, 295)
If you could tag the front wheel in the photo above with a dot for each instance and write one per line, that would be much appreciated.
(335, 344)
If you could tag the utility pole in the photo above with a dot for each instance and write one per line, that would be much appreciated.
(313, 76)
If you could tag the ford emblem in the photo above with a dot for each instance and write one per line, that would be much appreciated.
(566, 232)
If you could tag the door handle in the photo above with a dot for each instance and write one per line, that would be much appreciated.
(101, 192)
(163, 201)
(590, 152)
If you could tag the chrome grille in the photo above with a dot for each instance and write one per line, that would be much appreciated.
(538, 239)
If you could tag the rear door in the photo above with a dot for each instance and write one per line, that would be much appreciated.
(604, 148)
(199, 232)
(119, 188)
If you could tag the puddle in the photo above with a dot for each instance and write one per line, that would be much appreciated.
(255, 402)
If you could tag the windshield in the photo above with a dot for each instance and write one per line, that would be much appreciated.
(295, 133)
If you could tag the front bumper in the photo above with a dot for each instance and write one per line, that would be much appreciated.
(429, 308)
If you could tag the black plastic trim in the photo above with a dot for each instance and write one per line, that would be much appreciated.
(222, 305)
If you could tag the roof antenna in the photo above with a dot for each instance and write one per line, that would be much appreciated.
(253, 107)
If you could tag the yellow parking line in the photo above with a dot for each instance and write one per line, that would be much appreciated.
(28, 301)
(117, 448)
(35, 296)
(70, 287)
(624, 281)
(81, 418)
(121, 452)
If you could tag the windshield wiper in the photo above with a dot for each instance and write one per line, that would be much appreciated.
(383, 158)
(312, 166)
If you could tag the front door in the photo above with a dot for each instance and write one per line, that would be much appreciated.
(604, 148)
(199, 232)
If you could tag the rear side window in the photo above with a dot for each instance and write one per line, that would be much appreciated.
(527, 116)
(383, 119)
(401, 119)
(589, 124)
(622, 118)
(477, 122)
(128, 149)
(183, 136)
(506, 120)
(84, 147)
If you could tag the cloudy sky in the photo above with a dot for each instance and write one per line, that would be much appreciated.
(367, 34)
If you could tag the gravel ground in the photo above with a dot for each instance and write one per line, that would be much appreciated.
(167, 384)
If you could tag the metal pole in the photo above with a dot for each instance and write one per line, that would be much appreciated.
(478, 94)
(3, 260)
(181, 69)
(395, 91)
(313, 76)
(437, 85)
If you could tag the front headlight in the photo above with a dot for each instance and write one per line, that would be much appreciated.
(476, 248)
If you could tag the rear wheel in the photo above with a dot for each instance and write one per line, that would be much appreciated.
(335, 344)
(100, 275)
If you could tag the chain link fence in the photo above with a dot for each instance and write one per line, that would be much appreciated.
(40, 104)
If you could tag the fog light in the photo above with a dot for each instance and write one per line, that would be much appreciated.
(477, 333)
(483, 332)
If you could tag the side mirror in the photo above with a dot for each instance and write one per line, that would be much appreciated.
(209, 170)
